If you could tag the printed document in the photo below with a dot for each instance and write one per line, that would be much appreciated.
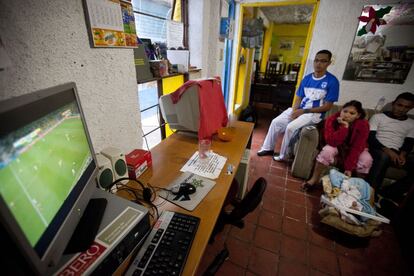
(209, 167)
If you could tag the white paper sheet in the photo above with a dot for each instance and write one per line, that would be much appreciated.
(175, 33)
(210, 167)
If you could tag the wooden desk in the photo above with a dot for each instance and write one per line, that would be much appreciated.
(167, 159)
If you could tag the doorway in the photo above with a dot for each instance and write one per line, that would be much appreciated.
(280, 58)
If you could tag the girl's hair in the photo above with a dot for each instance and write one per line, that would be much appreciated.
(358, 107)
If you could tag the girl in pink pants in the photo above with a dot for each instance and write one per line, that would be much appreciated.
(346, 134)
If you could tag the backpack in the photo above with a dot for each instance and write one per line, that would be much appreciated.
(249, 114)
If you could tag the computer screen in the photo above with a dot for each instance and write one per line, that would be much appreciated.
(183, 115)
(47, 172)
(197, 106)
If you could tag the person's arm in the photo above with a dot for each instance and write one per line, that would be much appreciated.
(373, 141)
(405, 148)
(358, 144)
(325, 107)
(334, 137)
(300, 94)
(296, 104)
(407, 145)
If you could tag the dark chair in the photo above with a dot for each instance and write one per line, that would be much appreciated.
(282, 96)
(241, 208)
(274, 70)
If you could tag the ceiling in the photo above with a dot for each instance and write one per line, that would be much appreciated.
(298, 14)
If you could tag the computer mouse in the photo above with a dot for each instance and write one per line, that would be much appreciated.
(184, 189)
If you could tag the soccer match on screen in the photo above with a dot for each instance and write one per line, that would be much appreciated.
(39, 165)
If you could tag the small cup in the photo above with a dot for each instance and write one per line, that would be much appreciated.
(204, 146)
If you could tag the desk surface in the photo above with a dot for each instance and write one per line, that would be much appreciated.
(167, 159)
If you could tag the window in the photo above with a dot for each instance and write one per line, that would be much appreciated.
(151, 18)
(151, 23)
(150, 118)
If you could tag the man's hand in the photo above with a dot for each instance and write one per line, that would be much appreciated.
(342, 122)
(296, 113)
(393, 156)
(402, 159)
(348, 173)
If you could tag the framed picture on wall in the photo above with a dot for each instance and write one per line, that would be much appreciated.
(286, 45)
(383, 47)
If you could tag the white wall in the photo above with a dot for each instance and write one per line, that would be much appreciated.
(196, 32)
(335, 29)
(48, 44)
(204, 44)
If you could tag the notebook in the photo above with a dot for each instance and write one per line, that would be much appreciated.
(203, 186)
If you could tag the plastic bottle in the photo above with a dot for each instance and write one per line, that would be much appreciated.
(380, 104)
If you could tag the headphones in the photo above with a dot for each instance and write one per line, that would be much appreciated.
(146, 191)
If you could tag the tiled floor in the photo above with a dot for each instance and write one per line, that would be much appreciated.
(283, 236)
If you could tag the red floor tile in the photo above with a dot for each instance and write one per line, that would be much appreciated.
(267, 239)
(356, 254)
(349, 267)
(313, 217)
(290, 268)
(315, 272)
(263, 262)
(228, 268)
(294, 228)
(272, 205)
(294, 185)
(297, 198)
(321, 237)
(239, 251)
(295, 211)
(312, 202)
(270, 220)
(275, 180)
(294, 249)
(278, 172)
(253, 216)
(246, 233)
(323, 260)
(275, 192)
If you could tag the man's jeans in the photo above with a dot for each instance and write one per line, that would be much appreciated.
(377, 174)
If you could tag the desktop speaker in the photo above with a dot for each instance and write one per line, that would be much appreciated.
(105, 175)
(119, 166)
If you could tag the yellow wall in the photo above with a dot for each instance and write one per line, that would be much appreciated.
(266, 47)
(289, 32)
(243, 80)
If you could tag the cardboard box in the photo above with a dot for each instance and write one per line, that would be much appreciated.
(138, 161)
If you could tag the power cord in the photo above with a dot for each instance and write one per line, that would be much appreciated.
(147, 196)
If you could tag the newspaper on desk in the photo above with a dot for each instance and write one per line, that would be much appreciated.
(209, 167)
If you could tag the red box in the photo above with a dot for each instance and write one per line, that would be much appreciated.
(138, 161)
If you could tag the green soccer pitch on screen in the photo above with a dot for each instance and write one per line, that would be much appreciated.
(39, 165)
(47, 174)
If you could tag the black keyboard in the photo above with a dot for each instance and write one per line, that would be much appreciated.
(166, 248)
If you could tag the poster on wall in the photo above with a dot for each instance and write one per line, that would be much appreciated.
(286, 45)
(383, 47)
(111, 23)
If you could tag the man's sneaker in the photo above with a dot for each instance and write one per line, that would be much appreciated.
(265, 152)
(278, 158)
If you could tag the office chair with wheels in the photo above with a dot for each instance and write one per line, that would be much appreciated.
(241, 209)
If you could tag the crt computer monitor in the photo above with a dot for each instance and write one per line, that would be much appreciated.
(47, 172)
(183, 115)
